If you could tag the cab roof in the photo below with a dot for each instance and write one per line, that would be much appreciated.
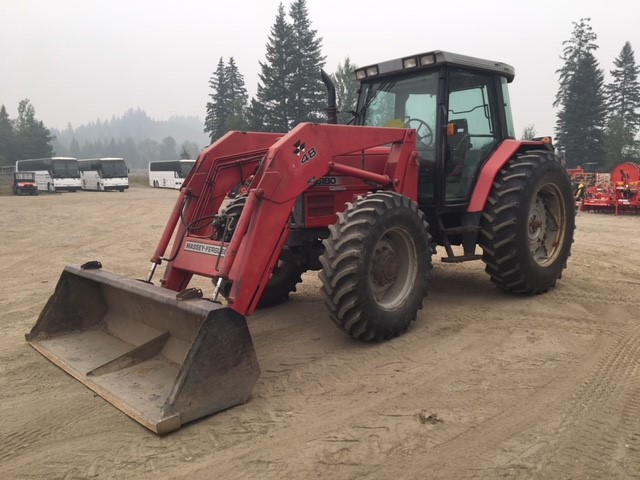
(430, 59)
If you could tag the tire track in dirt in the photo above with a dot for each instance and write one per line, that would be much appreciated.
(66, 411)
(353, 445)
(38, 429)
(600, 430)
(349, 441)
(611, 297)
(321, 378)
(479, 387)
(510, 429)
(13, 442)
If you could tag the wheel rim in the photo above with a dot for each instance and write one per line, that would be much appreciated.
(393, 268)
(546, 225)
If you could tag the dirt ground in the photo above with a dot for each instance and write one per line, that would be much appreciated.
(484, 384)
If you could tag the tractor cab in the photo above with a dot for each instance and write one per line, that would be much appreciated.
(459, 107)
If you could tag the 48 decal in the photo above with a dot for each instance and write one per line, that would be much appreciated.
(308, 156)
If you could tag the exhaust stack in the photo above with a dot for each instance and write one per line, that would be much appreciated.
(332, 111)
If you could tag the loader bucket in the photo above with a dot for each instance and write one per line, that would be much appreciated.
(161, 361)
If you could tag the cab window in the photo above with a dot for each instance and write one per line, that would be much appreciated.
(472, 109)
(408, 102)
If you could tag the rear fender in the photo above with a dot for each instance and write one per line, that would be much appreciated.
(507, 149)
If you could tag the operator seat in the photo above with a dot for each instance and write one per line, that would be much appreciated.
(459, 145)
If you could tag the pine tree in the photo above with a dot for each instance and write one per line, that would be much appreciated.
(582, 41)
(33, 139)
(111, 149)
(184, 153)
(581, 116)
(529, 132)
(131, 154)
(346, 90)
(167, 149)
(256, 113)
(217, 108)
(237, 98)
(74, 148)
(306, 90)
(7, 139)
(271, 111)
(623, 109)
(188, 150)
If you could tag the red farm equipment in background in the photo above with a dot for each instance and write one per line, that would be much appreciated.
(620, 194)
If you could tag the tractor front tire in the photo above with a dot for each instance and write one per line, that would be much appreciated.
(285, 276)
(376, 266)
(528, 224)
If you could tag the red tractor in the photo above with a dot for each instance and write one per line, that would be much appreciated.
(431, 160)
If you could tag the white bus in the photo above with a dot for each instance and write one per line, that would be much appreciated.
(169, 173)
(104, 174)
(63, 171)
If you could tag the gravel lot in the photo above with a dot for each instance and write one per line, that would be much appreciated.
(484, 385)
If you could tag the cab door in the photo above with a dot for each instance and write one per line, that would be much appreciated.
(474, 130)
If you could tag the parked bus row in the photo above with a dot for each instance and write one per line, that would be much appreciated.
(60, 174)
(68, 174)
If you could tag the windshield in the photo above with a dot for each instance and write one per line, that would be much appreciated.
(402, 102)
(185, 168)
(65, 169)
(115, 168)
(28, 176)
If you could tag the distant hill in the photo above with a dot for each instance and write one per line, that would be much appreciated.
(134, 135)
(136, 124)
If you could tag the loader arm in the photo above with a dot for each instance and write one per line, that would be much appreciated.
(205, 187)
(284, 171)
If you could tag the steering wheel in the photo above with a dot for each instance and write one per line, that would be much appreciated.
(423, 131)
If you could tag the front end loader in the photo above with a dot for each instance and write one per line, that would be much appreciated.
(430, 161)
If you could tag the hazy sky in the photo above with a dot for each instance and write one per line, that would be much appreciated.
(79, 60)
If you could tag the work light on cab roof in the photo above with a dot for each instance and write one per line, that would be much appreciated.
(429, 59)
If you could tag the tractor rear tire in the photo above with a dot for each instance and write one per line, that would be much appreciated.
(376, 266)
(528, 224)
